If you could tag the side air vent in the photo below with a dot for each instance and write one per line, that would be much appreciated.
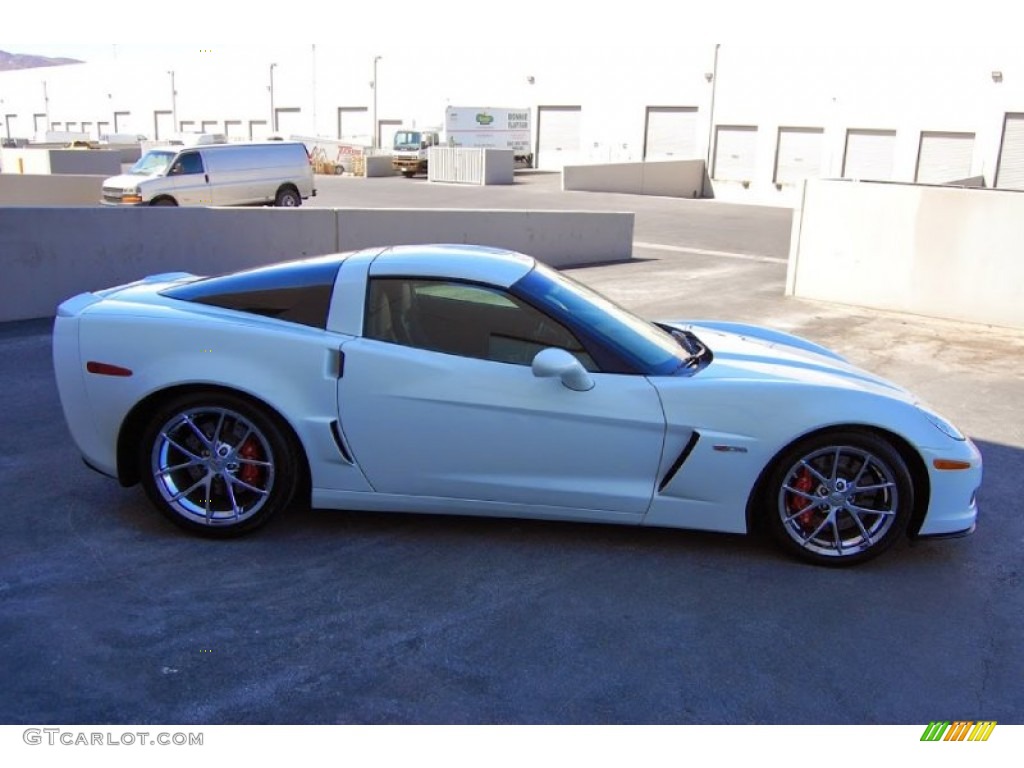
(680, 460)
(339, 440)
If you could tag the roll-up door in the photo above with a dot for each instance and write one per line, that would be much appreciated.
(258, 129)
(735, 152)
(386, 130)
(671, 133)
(289, 121)
(558, 137)
(233, 130)
(869, 155)
(123, 123)
(163, 125)
(798, 155)
(354, 125)
(1010, 172)
(944, 157)
(209, 126)
(11, 127)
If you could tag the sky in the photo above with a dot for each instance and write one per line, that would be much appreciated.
(67, 28)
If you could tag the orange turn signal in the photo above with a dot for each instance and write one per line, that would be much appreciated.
(950, 464)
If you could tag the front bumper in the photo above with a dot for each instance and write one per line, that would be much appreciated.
(953, 501)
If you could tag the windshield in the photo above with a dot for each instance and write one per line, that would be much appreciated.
(651, 350)
(153, 163)
(407, 140)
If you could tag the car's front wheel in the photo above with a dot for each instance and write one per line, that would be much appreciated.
(839, 498)
(217, 464)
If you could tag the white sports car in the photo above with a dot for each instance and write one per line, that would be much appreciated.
(469, 380)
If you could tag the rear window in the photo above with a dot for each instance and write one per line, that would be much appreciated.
(295, 291)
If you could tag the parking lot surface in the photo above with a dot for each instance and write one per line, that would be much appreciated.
(109, 614)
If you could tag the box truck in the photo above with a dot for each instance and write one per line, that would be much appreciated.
(476, 127)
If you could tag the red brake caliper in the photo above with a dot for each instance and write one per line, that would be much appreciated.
(805, 483)
(251, 473)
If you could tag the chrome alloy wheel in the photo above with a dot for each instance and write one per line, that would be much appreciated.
(212, 466)
(838, 501)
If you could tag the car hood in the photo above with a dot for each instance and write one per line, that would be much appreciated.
(126, 180)
(760, 354)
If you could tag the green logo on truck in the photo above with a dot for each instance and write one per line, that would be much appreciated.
(482, 118)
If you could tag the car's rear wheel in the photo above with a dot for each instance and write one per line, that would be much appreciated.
(217, 464)
(287, 198)
(839, 498)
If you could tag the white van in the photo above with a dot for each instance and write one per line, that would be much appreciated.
(274, 172)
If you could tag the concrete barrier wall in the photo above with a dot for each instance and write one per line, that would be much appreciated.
(46, 189)
(670, 178)
(100, 162)
(50, 254)
(558, 238)
(945, 252)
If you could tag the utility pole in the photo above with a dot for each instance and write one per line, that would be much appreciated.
(273, 112)
(376, 128)
(174, 104)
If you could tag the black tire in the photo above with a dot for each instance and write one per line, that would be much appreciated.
(164, 201)
(217, 464)
(838, 498)
(287, 197)
(408, 174)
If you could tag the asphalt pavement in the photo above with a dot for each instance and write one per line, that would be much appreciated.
(110, 614)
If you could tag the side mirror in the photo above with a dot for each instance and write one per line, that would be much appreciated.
(557, 362)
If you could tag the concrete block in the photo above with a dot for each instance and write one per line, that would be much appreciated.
(945, 252)
(559, 238)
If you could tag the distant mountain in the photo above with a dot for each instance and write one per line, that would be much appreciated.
(25, 61)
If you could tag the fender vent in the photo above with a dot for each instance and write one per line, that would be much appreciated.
(339, 441)
(680, 460)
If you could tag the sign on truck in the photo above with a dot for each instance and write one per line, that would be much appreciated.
(491, 128)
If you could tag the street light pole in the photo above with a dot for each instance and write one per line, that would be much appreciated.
(376, 128)
(46, 104)
(174, 103)
(273, 112)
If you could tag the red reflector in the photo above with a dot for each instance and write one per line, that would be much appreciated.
(106, 369)
(950, 464)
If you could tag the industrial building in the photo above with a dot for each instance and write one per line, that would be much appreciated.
(762, 117)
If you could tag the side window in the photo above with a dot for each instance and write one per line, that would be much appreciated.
(188, 164)
(463, 319)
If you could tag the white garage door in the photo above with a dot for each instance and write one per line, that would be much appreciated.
(12, 127)
(1010, 174)
(233, 130)
(163, 125)
(386, 130)
(258, 129)
(123, 123)
(735, 152)
(354, 125)
(869, 155)
(671, 133)
(289, 122)
(558, 137)
(944, 157)
(799, 154)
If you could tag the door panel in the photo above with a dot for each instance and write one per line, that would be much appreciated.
(427, 423)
